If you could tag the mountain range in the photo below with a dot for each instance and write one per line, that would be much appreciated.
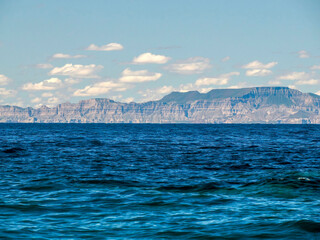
(246, 105)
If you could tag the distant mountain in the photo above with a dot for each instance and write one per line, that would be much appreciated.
(246, 105)
(184, 97)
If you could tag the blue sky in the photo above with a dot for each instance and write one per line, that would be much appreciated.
(57, 51)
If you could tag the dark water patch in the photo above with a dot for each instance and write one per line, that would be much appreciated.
(240, 166)
(211, 147)
(201, 187)
(284, 163)
(306, 225)
(204, 199)
(110, 182)
(35, 188)
(212, 168)
(24, 207)
(173, 234)
(253, 146)
(295, 182)
(13, 150)
(159, 203)
(269, 167)
(65, 143)
(96, 142)
(192, 153)
(76, 138)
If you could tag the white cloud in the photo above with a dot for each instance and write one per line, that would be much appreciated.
(212, 81)
(274, 82)
(221, 80)
(191, 87)
(44, 65)
(158, 93)
(4, 80)
(67, 56)
(301, 78)
(50, 102)
(259, 65)
(318, 93)
(165, 89)
(46, 94)
(150, 58)
(155, 94)
(240, 85)
(53, 100)
(303, 54)
(307, 82)
(107, 47)
(71, 81)
(50, 84)
(100, 88)
(227, 58)
(77, 71)
(292, 87)
(38, 106)
(18, 103)
(128, 100)
(7, 93)
(129, 76)
(116, 97)
(294, 76)
(119, 98)
(36, 100)
(190, 66)
(315, 67)
(258, 72)
(186, 87)
(258, 69)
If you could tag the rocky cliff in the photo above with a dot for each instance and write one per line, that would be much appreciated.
(247, 105)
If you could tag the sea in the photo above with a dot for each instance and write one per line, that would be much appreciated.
(159, 181)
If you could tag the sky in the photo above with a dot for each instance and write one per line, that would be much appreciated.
(66, 51)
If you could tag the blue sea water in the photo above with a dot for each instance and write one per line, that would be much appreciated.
(184, 181)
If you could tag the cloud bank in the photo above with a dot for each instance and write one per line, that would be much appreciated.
(44, 66)
(100, 88)
(190, 66)
(294, 76)
(258, 69)
(50, 84)
(4, 80)
(129, 76)
(7, 93)
(223, 79)
(150, 58)
(77, 71)
(66, 56)
(259, 65)
(107, 47)
(303, 54)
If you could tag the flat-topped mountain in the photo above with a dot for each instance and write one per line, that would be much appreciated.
(246, 105)
(277, 94)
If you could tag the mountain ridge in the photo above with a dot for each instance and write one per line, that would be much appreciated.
(229, 93)
(246, 105)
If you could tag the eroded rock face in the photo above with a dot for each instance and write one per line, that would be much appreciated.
(248, 105)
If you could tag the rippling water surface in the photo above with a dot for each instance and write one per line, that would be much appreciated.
(126, 181)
